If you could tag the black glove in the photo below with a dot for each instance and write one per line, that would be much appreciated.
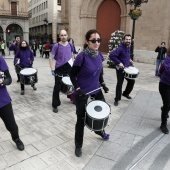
(81, 92)
(105, 88)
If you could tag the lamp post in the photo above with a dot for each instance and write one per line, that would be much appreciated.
(45, 24)
(136, 4)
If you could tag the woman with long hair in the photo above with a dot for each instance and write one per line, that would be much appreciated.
(86, 76)
(24, 58)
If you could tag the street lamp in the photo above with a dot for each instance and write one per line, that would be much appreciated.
(136, 4)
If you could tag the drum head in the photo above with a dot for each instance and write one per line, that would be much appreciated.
(98, 109)
(131, 70)
(28, 71)
(67, 81)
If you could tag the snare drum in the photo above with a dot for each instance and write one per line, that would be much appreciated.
(131, 72)
(28, 76)
(97, 115)
(66, 86)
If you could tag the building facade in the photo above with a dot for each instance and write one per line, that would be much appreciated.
(14, 20)
(107, 16)
(45, 19)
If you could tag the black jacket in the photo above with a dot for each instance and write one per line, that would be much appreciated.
(161, 52)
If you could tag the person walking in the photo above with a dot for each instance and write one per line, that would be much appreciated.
(164, 90)
(121, 57)
(86, 74)
(40, 47)
(24, 58)
(62, 53)
(14, 47)
(6, 111)
(34, 48)
(3, 48)
(161, 50)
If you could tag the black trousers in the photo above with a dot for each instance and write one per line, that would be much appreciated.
(81, 103)
(56, 98)
(6, 114)
(120, 80)
(22, 85)
(165, 94)
(34, 51)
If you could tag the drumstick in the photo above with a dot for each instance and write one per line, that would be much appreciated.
(93, 90)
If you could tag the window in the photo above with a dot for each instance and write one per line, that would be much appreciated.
(13, 8)
(59, 2)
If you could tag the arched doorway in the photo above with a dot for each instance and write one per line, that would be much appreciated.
(11, 31)
(108, 21)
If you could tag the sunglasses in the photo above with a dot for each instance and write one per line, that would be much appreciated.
(64, 35)
(94, 41)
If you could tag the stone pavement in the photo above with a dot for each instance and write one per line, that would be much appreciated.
(49, 137)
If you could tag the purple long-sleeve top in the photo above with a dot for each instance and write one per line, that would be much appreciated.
(13, 47)
(165, 72)
(121, 55)
(26, 57)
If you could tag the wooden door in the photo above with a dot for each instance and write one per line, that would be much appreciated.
(108, 21)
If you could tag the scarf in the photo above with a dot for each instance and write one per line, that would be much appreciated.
(91, 52)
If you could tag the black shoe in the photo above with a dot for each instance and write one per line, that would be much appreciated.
(164, 129)
(55, 110)
(34, 88)
(22, 92)
(19, 144)
(116, 103)
(78, 152)
(127, 96)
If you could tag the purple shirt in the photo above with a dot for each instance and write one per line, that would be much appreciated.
(165, 75)
(121, 55)
(14, 48)
(4, 96)
(26, 58)
(88, 77)
(62, 54)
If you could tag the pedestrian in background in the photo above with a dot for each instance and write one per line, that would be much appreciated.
(161, 50)
(14, 47)
(3, 46)
(34, 48)
(40, 48)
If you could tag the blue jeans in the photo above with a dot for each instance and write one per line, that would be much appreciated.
(158, 63)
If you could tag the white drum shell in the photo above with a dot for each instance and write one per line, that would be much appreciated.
(97, 120)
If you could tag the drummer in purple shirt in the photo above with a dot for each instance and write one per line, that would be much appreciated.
(14, 47)
(24, 58)
(62, 54)
(86, 76)
(164, 89)
(6, 111)
(121, 57)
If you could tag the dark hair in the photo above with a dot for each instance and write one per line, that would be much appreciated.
(88, 35)
(17, 36)
(163, 43)
(27, 47)
(126, 35)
